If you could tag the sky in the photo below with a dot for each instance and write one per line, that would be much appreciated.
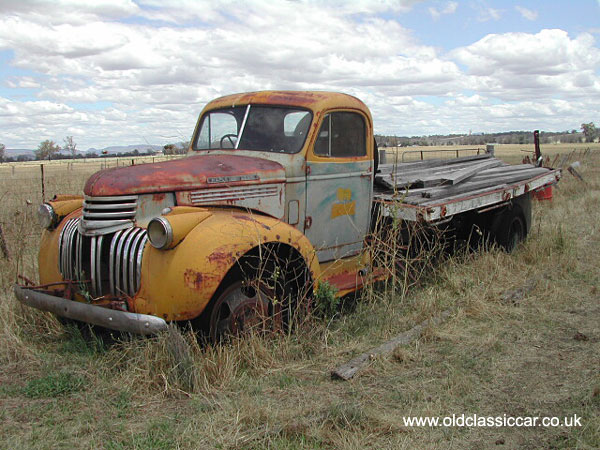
(123, 72)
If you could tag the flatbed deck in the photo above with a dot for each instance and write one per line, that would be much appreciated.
(435, 190)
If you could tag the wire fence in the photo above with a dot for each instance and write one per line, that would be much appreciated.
(37, 181)
(404, 155)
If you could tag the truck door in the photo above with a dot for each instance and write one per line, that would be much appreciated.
(339, 183)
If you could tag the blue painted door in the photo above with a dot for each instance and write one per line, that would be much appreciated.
(339, 185)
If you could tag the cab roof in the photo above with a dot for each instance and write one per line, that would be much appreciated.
(313, 100)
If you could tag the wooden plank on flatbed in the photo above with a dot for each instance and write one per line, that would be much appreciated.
(429, 163)
(461, 175)
(421, 178)
(419, 175)
(443, 208)
(491, 183)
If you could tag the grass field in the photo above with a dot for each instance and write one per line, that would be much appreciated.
(523, 340)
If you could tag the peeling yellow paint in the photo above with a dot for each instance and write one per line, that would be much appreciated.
(343, 209)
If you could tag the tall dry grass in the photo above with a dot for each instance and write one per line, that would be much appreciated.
(497, 354)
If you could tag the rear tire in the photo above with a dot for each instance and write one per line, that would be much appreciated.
(509, 229)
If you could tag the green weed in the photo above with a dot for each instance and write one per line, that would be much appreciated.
(54, 385)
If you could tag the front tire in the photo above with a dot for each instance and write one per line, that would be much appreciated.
(269, 290)
(243, 308)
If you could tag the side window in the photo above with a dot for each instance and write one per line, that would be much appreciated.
(342, 134)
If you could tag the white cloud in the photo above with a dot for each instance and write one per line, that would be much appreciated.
(527, 13)
(68, 11)
(522, 66)
(485, 12)
(436, 13)
(109, 82)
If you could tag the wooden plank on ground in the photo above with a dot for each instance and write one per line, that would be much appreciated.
(348, 370)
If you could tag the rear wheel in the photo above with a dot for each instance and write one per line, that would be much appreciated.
(509, 229)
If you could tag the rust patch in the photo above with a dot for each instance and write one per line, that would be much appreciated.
(217, 257)
(193, 279)
(345, 281)
(188, 173)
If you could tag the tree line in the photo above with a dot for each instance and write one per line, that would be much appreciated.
(49, 150)
(588, 133)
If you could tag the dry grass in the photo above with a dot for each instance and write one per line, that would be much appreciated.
(530, 353)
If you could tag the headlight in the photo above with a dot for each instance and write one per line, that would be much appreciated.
(46, 216)
(160, 232)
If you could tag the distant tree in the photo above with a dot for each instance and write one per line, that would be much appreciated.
(589, 131)
(136, 152)
(46, 149)
(169, 149)
(183, 148)
(2, 148)
(70, 145)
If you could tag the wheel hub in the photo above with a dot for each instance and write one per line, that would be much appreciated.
(243, 308)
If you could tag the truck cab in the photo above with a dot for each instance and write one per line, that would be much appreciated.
(324, 143)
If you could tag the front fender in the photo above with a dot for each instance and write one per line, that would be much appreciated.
(177, 284)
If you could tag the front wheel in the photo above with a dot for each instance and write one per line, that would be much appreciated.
(243, 308)
(269, 290)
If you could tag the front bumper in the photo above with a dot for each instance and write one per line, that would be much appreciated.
(93, 314)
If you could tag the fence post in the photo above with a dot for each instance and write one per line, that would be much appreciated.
(43, 187)
(3, 246)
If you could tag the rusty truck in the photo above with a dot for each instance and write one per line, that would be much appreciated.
(278, 192)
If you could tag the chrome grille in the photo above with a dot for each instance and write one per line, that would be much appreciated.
(104, 264)
(232, 194)
(103, 215)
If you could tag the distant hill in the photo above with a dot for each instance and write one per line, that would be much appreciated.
(112, 150)
(14, 152)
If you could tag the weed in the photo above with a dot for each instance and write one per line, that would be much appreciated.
(326, 301)
(54, 385)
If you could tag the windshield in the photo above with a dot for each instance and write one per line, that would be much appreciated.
(254, 127)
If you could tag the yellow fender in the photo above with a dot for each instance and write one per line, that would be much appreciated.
(178, 283)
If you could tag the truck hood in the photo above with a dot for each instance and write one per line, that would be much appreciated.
(188, 173)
